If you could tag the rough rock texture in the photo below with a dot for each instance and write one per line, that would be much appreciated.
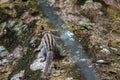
(96, 25)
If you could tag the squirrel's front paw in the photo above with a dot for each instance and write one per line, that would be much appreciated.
(42, 59)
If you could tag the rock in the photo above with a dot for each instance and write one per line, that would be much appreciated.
(69, 78)
(102, 62)
(106, 51)
(36, 65)
(3, 51)
(4, 61)
(18, 76)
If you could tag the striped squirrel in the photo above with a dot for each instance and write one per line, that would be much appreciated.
(48, 50)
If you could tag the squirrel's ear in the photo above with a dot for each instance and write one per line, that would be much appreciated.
(43, 33)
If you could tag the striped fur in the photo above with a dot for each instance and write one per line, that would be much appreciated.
(48, 41)
(46, 53)
(47, 44)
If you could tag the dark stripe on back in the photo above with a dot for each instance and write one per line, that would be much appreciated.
(51, 40)
(48, 44)
(44, 40)
(52, 43)
(48, 41)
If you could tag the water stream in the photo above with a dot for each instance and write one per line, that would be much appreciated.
(69, 40)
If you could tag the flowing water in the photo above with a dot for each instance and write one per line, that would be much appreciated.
(69, 40)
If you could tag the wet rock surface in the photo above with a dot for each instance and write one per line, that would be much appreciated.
(95, 25)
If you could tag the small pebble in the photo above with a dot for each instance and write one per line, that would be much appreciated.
(69, 78)
(104, 50)
(102, 62)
